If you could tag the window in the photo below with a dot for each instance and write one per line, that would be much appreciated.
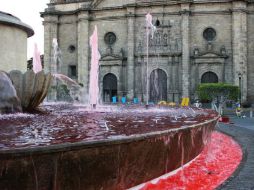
(110, 38)
(71, 48)
(157, 23)
(209, 34)
(209, 77)
(72, 71)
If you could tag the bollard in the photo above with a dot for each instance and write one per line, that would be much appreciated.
(135, 100)
(123, 100)
(251, 113)
(114, 99)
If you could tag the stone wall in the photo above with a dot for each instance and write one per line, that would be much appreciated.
(250, 61)
(13, 49)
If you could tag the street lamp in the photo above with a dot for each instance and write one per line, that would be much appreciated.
(240, 87)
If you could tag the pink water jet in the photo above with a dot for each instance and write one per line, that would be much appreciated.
(55, 49)
(37, 67)
(150, 29)
(93, 82)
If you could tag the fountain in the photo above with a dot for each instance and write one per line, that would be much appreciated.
(68, 147)
(60, 80)
(94, 79)
(71, 147)
(150, 29)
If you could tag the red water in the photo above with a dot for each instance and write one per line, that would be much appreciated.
(212, 167)
(65, 123)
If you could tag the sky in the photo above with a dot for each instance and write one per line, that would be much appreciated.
(28, 11)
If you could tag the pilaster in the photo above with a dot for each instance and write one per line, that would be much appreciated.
(50, 32)
(239, 36)
(50, 65)
(83, 53)
(185, 13)
(130, 53)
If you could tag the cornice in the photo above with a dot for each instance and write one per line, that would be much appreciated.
(164, 54)
(52, 11)
(185, 12)
(239, 10)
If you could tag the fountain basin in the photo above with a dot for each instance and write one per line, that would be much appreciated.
(118, 159)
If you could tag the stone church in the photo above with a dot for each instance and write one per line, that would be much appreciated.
(196, 41)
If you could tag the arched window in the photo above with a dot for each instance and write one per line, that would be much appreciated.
(209, 77)
(157, 23)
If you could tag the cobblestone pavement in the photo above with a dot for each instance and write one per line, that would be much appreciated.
(242, 130)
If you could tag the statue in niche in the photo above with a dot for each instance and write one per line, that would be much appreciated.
(169, 47)
(109, 50)
(209, 47)
(140, 46)
(151, 42)
(165, 40)
(122, 52)
(176, 45)
(157, 39)
(196, 52)
(223, 50)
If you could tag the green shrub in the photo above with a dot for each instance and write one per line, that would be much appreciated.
(218, 91)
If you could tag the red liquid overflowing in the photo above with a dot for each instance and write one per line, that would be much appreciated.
(212, 167)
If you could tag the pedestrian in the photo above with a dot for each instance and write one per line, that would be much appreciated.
(238, 111)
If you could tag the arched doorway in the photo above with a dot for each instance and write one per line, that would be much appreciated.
(158, 86)
(209, 77)
(109, 87)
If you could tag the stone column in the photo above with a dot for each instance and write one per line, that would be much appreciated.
(239, 38)
(83, 54)
(185, 12)
(130, 52)
(50, 32)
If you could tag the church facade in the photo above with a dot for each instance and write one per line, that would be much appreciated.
(196, 41)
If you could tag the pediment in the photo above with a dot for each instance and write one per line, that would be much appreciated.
(210, 55)
(209, 58)
(110, 57)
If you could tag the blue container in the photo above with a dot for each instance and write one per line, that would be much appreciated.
(135, 100)
(114, 99)
(123, 100)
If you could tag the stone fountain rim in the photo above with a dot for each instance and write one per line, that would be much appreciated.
(64, 147)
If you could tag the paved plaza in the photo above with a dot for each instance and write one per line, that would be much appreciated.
(242, 130)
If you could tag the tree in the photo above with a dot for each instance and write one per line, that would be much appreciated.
(218, 93)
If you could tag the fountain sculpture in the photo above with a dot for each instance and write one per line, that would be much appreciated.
(71, 147)
(31, 87)
(9, 101)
